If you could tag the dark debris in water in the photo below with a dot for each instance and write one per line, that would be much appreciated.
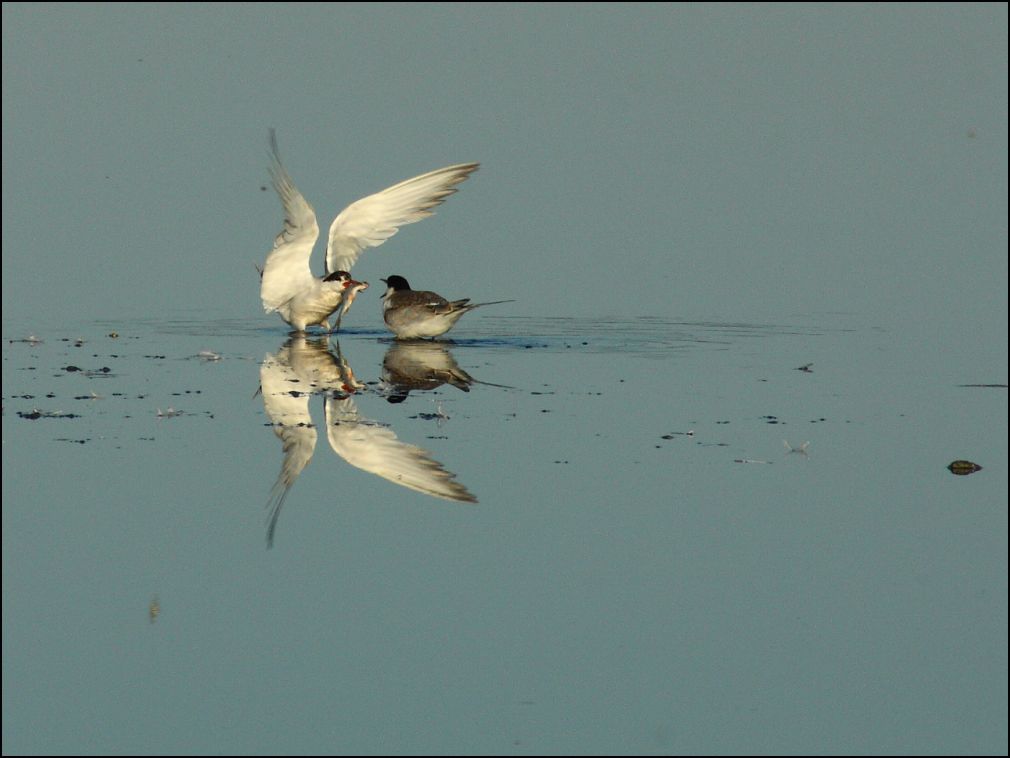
(963, 468)
(36, 414)
(674, 435)
(103, 371)
(176, 413)
(429, 416)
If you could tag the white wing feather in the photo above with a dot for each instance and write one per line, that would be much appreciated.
(286, 402)
(376, 449)
(374, 219)
(287, 270)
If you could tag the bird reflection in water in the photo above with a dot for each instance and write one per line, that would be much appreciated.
(422, 365)
(305, 366)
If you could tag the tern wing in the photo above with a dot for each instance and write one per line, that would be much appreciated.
(375, 448)
(374, 219)
(286, 402)
(287, 269)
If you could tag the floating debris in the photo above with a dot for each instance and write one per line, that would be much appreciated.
(805, 368)
(671, 435)
(36, 414)
(439, 416)
(170, 412)
(208, 355)
(802, 449)
(963, 468)
(72, 369)
(750, 460)
(31, 339)
(114, 335)
(154, 609)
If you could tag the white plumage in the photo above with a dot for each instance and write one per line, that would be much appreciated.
(288, 285)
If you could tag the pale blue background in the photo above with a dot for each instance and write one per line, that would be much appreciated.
(706, 196)
(682, 157)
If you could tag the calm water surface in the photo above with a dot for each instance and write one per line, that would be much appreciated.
(548, 536)
(719, 522)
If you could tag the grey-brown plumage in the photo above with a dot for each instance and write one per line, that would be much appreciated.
(415, 314)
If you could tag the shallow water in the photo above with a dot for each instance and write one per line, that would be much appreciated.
(652, 536)
(688, 494)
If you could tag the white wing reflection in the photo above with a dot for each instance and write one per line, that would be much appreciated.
(374, 448)
(305, 366)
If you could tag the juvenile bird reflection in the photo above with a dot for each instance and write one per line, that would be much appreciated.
(422, 365)
(305, 366)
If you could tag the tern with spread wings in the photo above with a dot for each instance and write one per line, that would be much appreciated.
(288, 285)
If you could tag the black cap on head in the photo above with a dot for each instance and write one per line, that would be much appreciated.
(397, 282)
(337, 276)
